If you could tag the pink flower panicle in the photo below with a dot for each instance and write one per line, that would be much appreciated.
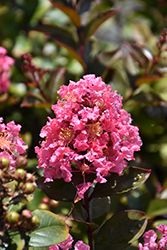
(67, 244)
(91, 130)
(5, 63)
(150, 237)
(11, 146)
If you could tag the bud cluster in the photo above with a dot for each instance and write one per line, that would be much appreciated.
(36, 73)
(48, 204)
(26, 221)
(23, 186)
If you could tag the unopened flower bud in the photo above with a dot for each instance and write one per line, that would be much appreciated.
(26, 214)
(12, 217)
(20, 174)
(30, 177)
(28, 188)
(21, 162)
(35, 221)
(53, 204)
(45, 200)
(43, 206)
(4, 162)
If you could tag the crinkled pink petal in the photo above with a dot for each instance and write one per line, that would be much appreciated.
(11, 145)
(162, 229)
(82, 188)
(81, 246)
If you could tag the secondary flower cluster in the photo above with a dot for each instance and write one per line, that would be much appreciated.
(150, 238)
(5, 63)
(67, 244)
(91, 134)
(11, 146)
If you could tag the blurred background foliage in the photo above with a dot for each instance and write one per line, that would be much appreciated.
(124, 42)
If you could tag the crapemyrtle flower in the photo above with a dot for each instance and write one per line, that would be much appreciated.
(67, 244)
(150, 237)
(11, 146)
(5, 63)
(90, 134)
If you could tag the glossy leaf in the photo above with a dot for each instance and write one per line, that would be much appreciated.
(132, 178)
(98, 209)
(156, 207)
(58, 189)
(94, 24)
(71, 13)
(51, 231)
(63, 38)
(121, 230)
(79, 213)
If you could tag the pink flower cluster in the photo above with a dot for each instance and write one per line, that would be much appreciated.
(91, 134)
(67, 244)
(5, 63)
(150, 238)
(11, 146)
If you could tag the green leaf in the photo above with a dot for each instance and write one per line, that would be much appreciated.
(95, 23)
(58, 189)
(17, 240)
(71, 13)
(156, 207)
(132, 178)
(51, 231)
(121, 230)
(98, 209)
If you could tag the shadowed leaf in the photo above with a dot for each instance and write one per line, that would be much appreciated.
(120, 230)
(58, 189)
(131, 179)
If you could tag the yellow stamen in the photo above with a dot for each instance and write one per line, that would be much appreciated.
(5, 142)
(66, 134)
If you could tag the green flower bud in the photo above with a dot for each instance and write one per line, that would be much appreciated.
(28, 188)
(4, 162)
(12, 217)
(20, 174)
(43, 206)
(30, 177)
(35, 221)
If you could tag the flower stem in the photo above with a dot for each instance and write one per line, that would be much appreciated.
(89, 231)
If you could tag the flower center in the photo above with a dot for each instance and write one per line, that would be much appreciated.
(66, 134)
(5, 142)
(94, 129)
